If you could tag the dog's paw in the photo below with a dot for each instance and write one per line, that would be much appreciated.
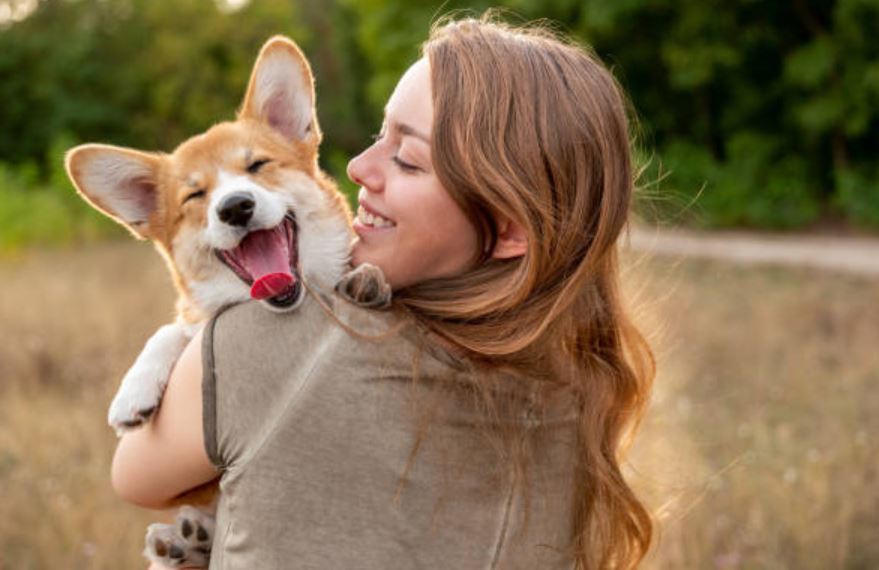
(196, 526)
(365, 285)
(138, 397)
(144, 383)
(164, 547)
(187, 542)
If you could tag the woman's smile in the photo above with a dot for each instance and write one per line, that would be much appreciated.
(368, 220)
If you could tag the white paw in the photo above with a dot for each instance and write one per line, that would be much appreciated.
(185, 543)
(138, 396)
(144, 383)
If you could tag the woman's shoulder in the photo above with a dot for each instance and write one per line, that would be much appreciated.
(317, 307)
(335, 320)
(372, 343)
(252, 321)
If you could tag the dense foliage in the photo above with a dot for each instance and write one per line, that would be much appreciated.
(750, 113)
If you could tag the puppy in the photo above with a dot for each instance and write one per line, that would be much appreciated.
(239, 212)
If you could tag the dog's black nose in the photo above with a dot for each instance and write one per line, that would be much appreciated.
(237, 209)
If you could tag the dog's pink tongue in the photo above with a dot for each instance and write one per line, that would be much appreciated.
(265, 255)
(271, 285)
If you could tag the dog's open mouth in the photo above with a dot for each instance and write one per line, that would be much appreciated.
(267, 260)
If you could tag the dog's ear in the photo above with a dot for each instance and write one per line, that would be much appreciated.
(281, 92)
(120, 182)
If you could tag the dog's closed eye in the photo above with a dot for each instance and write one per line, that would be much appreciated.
(256, 165)
(194, 196)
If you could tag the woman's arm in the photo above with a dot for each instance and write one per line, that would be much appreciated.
(167, 457)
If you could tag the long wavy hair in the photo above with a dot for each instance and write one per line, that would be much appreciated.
(532, 127)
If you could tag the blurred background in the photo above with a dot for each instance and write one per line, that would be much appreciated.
(756, 124)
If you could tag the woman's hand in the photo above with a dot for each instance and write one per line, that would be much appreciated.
(166, 457)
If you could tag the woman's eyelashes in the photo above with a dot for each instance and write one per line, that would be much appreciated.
(404, 166)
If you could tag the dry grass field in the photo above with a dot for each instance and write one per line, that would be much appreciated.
(760, 451)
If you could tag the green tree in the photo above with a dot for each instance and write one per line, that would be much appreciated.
(763, 113)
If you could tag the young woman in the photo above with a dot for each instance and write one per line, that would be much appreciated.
(485, 432)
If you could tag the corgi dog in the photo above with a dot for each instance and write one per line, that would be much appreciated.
(239, 212)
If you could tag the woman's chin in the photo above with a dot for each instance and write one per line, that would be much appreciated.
(361, 253)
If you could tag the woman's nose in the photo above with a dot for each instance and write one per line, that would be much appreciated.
(363, 172)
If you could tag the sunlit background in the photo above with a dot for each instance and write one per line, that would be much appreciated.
(754, 265)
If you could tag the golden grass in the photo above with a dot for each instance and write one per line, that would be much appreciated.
(759, 450)
(72, 322)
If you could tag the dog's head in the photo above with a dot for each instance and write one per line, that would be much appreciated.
(242, 210)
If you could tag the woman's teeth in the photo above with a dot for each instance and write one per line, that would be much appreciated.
(374, 220)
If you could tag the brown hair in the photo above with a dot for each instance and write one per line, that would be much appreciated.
(533, 128)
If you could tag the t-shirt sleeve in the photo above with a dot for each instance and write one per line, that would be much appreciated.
(209, 393)
(253, 361)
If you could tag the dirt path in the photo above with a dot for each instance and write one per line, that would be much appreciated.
(857, 255)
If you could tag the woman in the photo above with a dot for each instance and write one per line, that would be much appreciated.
(486, 431)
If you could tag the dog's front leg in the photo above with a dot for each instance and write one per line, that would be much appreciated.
(144, 383)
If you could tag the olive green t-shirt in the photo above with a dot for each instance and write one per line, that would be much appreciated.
(313, 426)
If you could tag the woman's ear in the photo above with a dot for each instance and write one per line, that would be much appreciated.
(511, 240)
